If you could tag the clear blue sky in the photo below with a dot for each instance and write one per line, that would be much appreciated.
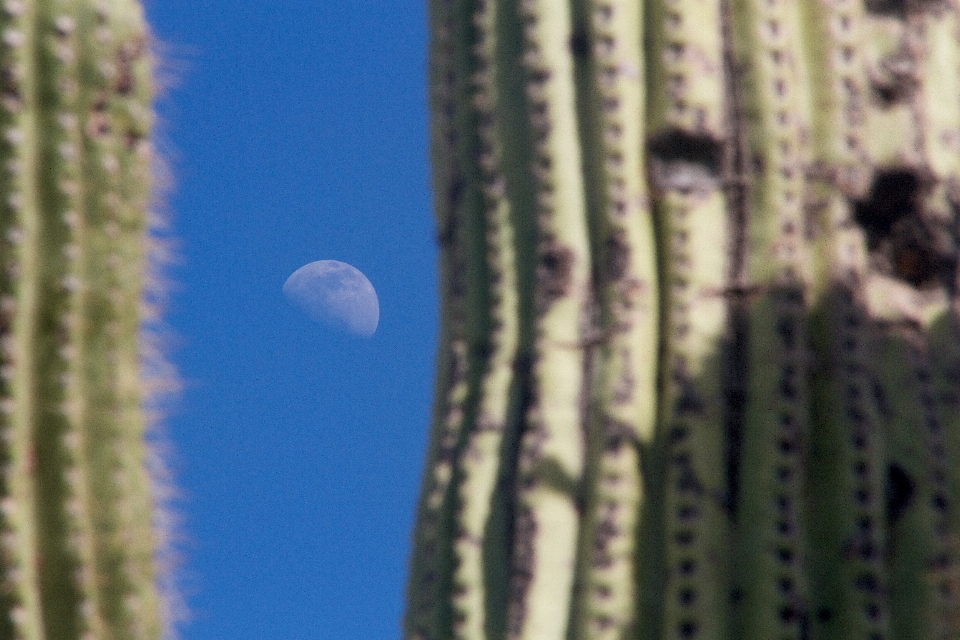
(297, 132)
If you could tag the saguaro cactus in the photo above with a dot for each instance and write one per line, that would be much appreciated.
(699, 371)
(76, 524)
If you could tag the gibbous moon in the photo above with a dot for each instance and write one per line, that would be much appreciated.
(335, 294)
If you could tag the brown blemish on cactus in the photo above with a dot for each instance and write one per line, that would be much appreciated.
(554, 272)
(522, 574)
(128, 53)
(893, 81)
(617, 255)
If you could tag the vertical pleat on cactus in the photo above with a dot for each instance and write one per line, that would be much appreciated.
(699, 364)
(77, 539)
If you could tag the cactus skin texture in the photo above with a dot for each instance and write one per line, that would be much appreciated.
(699, 368)
(76, 516)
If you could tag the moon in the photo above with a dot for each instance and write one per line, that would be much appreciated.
(336, 294)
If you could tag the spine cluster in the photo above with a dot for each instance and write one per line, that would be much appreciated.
(699, 371)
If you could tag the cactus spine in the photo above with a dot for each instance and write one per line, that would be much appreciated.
(699, 370)
(76, 516)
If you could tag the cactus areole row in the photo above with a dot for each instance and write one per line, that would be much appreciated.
(699, 368)
(77, 540)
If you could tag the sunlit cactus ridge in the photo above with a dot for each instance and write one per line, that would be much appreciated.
(699, 362)
(77, 541)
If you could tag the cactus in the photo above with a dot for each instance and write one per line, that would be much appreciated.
(77, 519)
(699, 363)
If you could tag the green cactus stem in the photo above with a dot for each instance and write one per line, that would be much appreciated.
(76, 513)
(699, 373)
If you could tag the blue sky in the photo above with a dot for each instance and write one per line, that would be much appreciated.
(297, 131)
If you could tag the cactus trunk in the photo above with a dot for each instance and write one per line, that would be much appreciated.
(699, 368)
(76, 514)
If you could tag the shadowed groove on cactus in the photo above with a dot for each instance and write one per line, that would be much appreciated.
(699, 373)
(78, 540)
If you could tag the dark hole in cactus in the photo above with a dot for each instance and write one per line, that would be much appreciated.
(904, 241)
(893, 196)
(888, 7)
(686, 597)
(687, 567)
(684, 162)
(784, 528)
(899, 492)
(824, 614)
